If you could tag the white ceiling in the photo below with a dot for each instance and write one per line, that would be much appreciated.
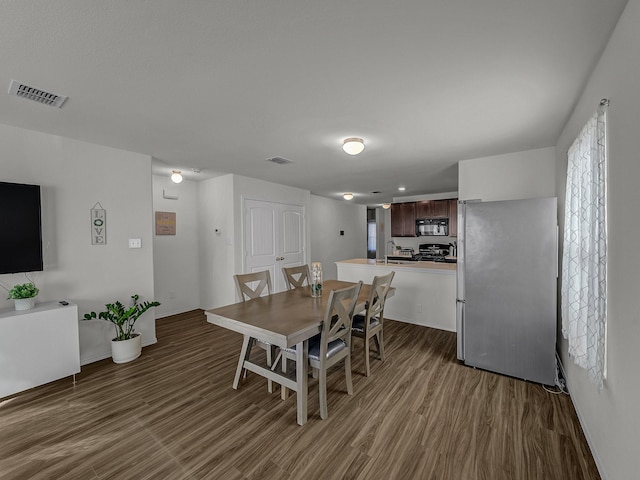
(223, 85)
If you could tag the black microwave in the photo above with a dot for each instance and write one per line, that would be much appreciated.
(432, 227)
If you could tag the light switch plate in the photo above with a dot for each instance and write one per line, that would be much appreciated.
(135, 243)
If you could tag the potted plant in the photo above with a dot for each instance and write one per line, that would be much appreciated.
(127, 344)
(24, 295)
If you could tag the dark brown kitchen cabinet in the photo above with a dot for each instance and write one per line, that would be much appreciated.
(403, 219)
(453, 217)
(432, 209)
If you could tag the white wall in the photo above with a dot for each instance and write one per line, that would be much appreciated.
(327, 218)
(245, 188)
(217, 249)
(512, 176)
(176, 258)
(220, 204)
(611, 418)
(74, 176)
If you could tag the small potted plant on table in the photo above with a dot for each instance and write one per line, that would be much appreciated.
(127, 345)
(24, 295)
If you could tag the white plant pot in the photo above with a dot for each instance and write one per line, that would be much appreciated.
(25, 303)
(123, 351)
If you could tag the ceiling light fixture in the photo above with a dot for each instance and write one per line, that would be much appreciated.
(348, 196)
(176, 176)
(353, 146)
(386, 206)
(402, 189)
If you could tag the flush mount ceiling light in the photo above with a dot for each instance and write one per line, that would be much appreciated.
(402, 189)
(353, 146)
(176, 176)
(347, 196)
(386, 206)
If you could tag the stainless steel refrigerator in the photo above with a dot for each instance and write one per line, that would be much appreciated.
(506, 287)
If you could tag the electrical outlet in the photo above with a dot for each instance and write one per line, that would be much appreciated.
(135, 243)
(419, 308)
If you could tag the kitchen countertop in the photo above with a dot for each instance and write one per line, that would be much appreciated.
(425, 291)
(413, 266)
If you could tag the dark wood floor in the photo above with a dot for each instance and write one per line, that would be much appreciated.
(172, 414)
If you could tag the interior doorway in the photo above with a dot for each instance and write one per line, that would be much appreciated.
(273, 238)
(372, 233)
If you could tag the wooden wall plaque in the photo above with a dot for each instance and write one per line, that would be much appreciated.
(165, 223)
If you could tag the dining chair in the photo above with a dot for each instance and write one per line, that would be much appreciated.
(333, 343)
(295, 277)
(250, 286)
(370, 325)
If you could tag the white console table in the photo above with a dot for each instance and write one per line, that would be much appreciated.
(38, 346)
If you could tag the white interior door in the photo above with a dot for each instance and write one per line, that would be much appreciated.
(273, 238)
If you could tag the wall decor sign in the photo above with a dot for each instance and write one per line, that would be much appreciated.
(98, 225)
(165, 223)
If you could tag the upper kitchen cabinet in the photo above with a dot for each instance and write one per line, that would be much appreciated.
(453, 217)
(403, 219)
(432, 209)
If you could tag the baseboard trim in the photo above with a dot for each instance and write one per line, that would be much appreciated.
(413, 322)
(583, 425)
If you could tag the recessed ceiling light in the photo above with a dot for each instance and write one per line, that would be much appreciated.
(402, 189)
(353, 146)
(347, 196)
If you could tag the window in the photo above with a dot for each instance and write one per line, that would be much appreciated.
(584, 257)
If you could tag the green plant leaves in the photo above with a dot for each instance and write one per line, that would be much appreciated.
(25, 290)
(123, 318)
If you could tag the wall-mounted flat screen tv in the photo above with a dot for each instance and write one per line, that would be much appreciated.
(20, 228)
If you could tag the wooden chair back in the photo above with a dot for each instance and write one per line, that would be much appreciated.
(338, 317)
(244, 282)
(295, 277)
(375, 304)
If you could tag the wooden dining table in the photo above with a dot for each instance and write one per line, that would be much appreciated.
(284, 319)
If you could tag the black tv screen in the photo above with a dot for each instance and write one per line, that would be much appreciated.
(20, 228)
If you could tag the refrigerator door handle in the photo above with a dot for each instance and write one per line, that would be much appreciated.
(557, 252)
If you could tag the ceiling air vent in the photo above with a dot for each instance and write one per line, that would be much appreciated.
(31, 93)
(279, 160)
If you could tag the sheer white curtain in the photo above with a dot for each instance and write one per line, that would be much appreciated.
(584, 258)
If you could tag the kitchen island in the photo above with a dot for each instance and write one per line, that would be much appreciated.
(425, 291)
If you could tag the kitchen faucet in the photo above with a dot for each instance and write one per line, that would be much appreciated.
(393, 247)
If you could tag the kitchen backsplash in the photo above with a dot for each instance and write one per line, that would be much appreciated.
(409, 242)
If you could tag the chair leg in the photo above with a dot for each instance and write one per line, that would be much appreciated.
(247, 343)
(284, 391)
(269, 362)
(367, 366)
(347, 374)
(380, 340)
(322, 387)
